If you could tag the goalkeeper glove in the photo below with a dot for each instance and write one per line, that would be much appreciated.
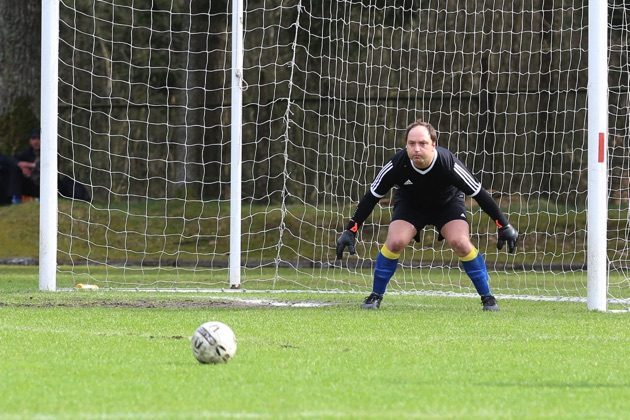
(507, 234)
(348, 239)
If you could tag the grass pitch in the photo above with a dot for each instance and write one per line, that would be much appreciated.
(112, 354)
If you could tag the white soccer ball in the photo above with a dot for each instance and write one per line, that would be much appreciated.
(213, 342)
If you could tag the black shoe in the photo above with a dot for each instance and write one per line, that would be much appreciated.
(372, 302)
(489, 303)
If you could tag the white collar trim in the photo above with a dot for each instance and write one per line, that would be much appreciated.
(425, 171)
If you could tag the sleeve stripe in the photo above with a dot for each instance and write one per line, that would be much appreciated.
(468, 179)
(379, 178)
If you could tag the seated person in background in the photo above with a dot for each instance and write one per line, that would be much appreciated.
(28, 174)
(69, 188)
(28, 163)
(9, 178)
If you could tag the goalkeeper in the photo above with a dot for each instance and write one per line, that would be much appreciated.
(431, 184)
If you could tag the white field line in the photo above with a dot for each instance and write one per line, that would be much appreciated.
(341, 292)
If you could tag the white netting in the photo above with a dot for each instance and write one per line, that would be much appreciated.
(330, 88)
(619, 151)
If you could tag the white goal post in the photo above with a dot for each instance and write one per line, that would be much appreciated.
(597, 260)
(48, 185)
(226, 143)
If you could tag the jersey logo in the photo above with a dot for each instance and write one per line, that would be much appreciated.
(463, 215)
(408, 182)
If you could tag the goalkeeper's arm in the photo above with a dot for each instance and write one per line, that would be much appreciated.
(507, 233)
(349, 236)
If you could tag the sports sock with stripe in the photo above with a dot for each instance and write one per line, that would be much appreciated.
(386, 264)
(475, 266)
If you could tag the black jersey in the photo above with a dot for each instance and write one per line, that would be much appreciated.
(428, 188)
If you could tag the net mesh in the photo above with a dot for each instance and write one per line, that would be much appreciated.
(329, 88)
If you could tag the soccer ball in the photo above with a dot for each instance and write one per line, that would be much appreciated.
(213, 342)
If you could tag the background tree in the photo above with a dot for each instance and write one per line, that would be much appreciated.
(20, 31)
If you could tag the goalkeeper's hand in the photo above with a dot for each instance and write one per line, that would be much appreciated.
(347, 239)
(507, 234)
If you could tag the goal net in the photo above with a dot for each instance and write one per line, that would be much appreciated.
(328, 89)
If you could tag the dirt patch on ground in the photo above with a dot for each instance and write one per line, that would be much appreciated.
(164, 304)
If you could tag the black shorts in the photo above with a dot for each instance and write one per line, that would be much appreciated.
(419, 218)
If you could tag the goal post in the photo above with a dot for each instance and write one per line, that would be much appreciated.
(236, 140)
(48, 181)
(597, 263)
(226, 143)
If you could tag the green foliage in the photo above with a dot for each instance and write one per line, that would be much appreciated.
(108, 354)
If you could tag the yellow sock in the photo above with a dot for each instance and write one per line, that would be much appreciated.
(389, 254)
(471, 255)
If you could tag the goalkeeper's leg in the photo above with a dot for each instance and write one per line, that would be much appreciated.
(399, 235)
(475, 266)
(384, 269)
(456, 233)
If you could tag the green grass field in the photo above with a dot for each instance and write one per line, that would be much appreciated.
(103, 354)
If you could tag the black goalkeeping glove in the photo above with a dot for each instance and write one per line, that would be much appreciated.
(507, 234)
(348, 239)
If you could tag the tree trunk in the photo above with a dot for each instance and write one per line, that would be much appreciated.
(20, 31)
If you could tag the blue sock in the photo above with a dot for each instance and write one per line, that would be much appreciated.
(384, 270)
(477, 271)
